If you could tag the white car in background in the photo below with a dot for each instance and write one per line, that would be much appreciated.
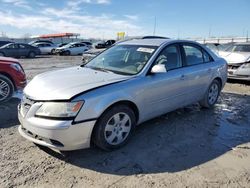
(238, 59)
(45, 47)
(73, 48)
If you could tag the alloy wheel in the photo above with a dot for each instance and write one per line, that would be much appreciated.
(4, 90)
(117, 128)
(213, 93)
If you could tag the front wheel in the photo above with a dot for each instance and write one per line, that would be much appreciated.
(211, 95)
(114, 128)
(2, 54)
(6, 88)
(66, 53)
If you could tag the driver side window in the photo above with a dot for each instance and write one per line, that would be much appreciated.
(170, 57)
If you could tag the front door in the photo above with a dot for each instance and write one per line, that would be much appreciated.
(167, 91)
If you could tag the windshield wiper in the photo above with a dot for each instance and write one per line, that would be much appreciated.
(98, 69)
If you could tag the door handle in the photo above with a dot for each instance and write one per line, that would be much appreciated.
(182, 77)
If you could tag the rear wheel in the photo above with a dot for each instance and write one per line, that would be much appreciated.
(32, 54)
(52, 51)
(211, 95)
(114, 127)
(6, 88)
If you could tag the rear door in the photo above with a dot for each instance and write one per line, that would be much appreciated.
(23, 50)
(47, 48)
(198, 70)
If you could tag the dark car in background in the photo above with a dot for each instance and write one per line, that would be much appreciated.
(12, 78)
(4, 42)
(19, 50)
(105, 44)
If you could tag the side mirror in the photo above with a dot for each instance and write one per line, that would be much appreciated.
(160, 68)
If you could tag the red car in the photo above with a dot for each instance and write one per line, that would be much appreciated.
(12, 78)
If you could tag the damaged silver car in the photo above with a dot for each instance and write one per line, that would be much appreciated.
(103, 101)
(238, 58)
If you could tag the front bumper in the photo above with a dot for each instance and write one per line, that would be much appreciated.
(236, 71)
(57, 134)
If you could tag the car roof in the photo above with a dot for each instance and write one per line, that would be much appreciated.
(146, 42)
(153, 42)
(43, 43)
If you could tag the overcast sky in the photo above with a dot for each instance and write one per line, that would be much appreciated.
(104, 18)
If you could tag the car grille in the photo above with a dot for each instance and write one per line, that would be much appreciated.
(26, 103)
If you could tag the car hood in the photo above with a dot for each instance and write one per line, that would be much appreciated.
(8, 59)
(62, 48)
(65, 83)
(235, 57)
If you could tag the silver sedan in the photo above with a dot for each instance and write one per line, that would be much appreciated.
(104, 100)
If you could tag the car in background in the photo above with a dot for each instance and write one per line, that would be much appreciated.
(73, 48)
(45, 48)
(105, 44)
(39, 41)
(129, 83)
(19, 50)
(4, 42)
(238, 58)
(62, 44)
(90, 54)
(89, 44)
(12, 78)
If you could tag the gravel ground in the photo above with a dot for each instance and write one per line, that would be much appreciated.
(190, 147)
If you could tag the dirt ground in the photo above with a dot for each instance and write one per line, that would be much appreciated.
(190, 147)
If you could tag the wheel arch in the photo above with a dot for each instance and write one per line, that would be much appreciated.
(219, 80)
(128, 103)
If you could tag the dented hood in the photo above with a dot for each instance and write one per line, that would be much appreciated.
(235, 57)
(65, 83)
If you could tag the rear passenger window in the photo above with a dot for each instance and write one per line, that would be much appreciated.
(194, 55)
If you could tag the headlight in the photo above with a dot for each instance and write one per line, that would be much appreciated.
(17, 67)
(59, 109)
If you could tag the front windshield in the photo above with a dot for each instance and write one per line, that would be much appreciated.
(6, 45)
(239, 48)
(68, 45)
(123, 59)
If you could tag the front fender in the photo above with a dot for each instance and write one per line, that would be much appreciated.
(97, 101)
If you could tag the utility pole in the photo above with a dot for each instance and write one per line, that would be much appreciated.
(247, 35)
(209, 32)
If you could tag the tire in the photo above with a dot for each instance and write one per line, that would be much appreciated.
(2, 54)
(6, 88)
(66, 53)
(211, 95)
(32, 54)
(114, 128)
(52, 52)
